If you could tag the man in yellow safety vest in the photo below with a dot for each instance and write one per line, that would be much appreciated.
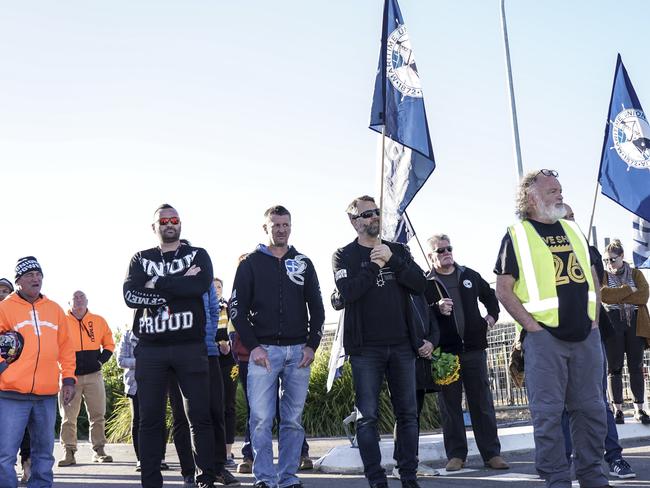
(546, 281)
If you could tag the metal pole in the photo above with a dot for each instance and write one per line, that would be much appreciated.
(381, 184)
(594, 236)
(511, 92)
(593, 211)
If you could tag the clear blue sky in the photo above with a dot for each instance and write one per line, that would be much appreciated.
(108, 109)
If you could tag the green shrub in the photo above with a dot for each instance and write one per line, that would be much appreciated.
(322, 416)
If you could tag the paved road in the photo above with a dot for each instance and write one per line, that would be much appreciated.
(121, 473)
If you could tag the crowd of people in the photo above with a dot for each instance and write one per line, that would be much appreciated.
(187, 345)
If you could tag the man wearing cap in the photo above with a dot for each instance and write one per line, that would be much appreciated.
(29, 385)
(94, 345)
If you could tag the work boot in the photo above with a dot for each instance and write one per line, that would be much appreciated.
(69, 459)
(101, 457)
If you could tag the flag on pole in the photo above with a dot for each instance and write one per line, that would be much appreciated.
(624, 174)
(405, 231)
(641, 243)
(398, 112)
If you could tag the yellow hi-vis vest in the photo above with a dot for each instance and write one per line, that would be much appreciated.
(535, 287)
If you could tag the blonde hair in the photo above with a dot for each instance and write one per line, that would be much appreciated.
(614, 247)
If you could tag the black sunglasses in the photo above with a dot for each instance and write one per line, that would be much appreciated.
(440, 250)
(367, 214)
(545, 172)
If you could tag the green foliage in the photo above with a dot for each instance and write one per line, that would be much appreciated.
(322, 416)
(324, 412)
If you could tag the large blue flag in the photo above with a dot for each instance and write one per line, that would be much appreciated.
(624, 174)
(405, 231)
(398, 112)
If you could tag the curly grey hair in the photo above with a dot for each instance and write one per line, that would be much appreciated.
(526, 187)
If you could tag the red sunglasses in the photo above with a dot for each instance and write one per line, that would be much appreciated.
(169, 220)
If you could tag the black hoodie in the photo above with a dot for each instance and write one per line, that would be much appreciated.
(172, 312)
(277, 301)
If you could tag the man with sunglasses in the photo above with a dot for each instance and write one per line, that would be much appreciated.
(547, 282)
(165, 286)
(382, 335)
(453, 292)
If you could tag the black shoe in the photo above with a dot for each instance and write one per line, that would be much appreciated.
(205, 484)
(642, 417)
(226, 478)
(261, 484)
(164, 466)
(410, 484)
(618, 418)
(381, 484)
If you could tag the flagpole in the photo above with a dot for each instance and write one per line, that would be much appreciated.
(591, 219)
(381, 183)
(426, 258)
(511, 92)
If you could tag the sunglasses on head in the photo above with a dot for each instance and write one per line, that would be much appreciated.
(169, 220)
(367, 214)
(440, 250)
(545, 172)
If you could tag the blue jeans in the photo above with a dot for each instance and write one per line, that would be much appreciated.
(38, 416)
(262, 396)
(369, 367)
(613, 449)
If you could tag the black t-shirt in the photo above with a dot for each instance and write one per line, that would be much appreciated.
(383, 308)
(570, 280)
(451, 284)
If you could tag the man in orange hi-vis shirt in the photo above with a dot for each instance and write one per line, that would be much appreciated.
(29, 385)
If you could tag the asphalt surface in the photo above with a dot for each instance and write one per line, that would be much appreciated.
(121, 473)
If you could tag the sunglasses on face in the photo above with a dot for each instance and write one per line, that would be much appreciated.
(610, 260)
(367, 214)
(169, 220)
(440, 250)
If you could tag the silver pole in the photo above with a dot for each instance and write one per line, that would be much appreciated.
(511, 92)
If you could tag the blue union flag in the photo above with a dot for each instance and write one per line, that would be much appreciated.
(398, 111)
(624, 173)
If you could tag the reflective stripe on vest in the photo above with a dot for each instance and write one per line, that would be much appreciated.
(535, 287)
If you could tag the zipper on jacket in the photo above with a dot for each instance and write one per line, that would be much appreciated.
(453, 309)
(81, 338)
(281, 300)
(38, 353)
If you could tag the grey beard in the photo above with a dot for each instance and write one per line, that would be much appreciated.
(552, 212)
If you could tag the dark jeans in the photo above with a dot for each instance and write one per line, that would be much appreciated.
(247, 449)
(613, 449)
(189, 363)
(370, 366)
(624, 342)
(216, 412)
(474, 378)
(226, 363)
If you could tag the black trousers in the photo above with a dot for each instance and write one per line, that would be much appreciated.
(189, 363)
(624, 342)
(216, 412)
(226, 363)
(180, 430)
(474, 377)
(25, 448)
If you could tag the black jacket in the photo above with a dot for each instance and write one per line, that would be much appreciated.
(270, 300)
(172, 312)
(353, 281)
(472, 288)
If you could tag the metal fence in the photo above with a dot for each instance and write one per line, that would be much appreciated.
(505, 393)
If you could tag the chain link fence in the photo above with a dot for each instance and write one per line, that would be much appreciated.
(505, 394)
